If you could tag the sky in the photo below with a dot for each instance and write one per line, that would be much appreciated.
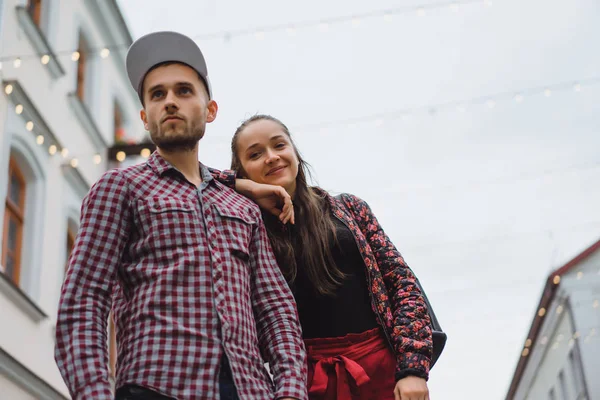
(483, 202)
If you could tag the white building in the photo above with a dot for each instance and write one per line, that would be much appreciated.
(65, 97)
(561, 356)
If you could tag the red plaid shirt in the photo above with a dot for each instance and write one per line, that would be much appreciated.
(189, 272)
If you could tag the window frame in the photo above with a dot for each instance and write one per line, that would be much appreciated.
(18, 212)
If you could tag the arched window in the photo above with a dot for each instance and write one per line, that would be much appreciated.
(14, 222)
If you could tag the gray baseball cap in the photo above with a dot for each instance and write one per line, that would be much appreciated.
(160, 47)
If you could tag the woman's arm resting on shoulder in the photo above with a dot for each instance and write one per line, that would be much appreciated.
(271, 198)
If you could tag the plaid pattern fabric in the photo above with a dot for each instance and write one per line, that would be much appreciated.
(189, 273)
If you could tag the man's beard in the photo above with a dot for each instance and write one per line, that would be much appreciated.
(177, 139)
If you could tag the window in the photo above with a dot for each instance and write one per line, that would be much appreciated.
(82, 67)
(14, 221)
(119, 132)
(35, 10)
(577, 374)
(112, 347)
(70, 244)
(563, 386)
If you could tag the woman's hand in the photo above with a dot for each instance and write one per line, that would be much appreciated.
(411, 388)
(271, 198)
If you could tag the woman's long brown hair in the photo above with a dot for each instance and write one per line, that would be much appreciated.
(309, 241)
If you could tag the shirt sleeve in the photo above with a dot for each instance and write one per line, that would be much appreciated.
(412, 325)
(279, 332)
(81, 329)
(226, 177)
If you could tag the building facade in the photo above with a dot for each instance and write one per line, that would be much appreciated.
(65, 101)
(560, 359)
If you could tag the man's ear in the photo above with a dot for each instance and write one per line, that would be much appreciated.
(213, 109)
(144, 118)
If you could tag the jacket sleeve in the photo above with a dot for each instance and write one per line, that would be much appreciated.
(278, 327)
(412, 333)
(226, 177)
(81, 329)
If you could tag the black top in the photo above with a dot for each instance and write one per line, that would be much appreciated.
(349, 310)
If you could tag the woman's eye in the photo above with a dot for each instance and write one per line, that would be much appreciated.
(254, 155)
(280, 145)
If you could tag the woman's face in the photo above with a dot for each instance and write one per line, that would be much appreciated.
(267, 155)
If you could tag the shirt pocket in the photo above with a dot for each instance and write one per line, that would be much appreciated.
(236, 227)
(167, 222)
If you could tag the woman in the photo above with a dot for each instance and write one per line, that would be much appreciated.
(365, 323)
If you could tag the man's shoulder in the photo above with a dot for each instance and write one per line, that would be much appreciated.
(232, 200)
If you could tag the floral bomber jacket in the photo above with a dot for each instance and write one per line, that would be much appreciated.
(395, 297)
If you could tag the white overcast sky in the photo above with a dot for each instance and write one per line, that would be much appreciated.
(483, 203)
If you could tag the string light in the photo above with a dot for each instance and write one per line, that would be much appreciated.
(45, 59)
(121, 156)
(19, 109)
(64, 152)
(559, 309)
(542, 312)
(322, 23)
(17, 62)
(52, 149)
(8, 89)
(74, 163)
(39, 139)
(145, 153)
(579, 275)
(556, 279)
(97, 159)
(29, 126)
(488, 101)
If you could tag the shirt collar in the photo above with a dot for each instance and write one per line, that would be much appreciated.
(160, 166)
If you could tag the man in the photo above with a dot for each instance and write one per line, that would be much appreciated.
(197, 295)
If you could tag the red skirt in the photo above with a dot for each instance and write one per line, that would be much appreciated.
(356, 366)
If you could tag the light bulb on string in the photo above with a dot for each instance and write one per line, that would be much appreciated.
(45, 59)
(8, 89)
(64, 152)
(19, 109)
(104, 52)
(39, 139)
(75, 56)
(17, 63)
(52, 150)
(97, 159)
(29, 126)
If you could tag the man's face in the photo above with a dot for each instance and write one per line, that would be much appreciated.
(176, 107)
